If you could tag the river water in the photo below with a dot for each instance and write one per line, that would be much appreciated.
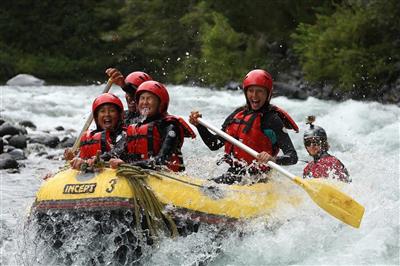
(365, 136)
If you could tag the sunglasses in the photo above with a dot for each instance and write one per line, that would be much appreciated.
(309, 142)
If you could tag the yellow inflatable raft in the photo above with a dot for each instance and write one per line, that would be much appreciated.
(202, 199)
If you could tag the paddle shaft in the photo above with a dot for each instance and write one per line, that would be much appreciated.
(89, 119)
(329, 198)
(244, 147)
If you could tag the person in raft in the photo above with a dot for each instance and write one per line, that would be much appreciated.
(323, 164)
(129, 85)
(157, 140)
(107, 112)
(260, 125)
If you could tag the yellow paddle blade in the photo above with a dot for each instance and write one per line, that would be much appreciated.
(333, 201)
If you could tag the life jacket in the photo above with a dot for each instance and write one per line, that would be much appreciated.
(287, 120)
(92, 141)
(327, 166)
(145, 140)
(246, 126)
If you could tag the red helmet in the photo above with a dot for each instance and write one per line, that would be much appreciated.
(135, 79)
(106, 98)
(156, 88)
(258, 77)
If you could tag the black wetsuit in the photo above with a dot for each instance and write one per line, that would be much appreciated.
(274, 123)
(170, 138)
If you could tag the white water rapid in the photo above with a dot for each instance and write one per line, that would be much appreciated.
(365, 136)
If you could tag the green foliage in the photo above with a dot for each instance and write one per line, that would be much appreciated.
(355, 49)
(56, 68)
(223, 54)
(353, 44)
(218, 53)
(57, 33)
(269, 25)
(273, 19)
(152, 38)
(188, 66)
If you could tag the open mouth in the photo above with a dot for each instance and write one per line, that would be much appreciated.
(255, 102)
(107, 122)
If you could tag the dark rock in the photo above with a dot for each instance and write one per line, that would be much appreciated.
(51, 157)
(67, 142)
(297, 74)
(300, 94)
(7, 161)
(288, 90)
(15, 171)
(392, 93)
(2, 121)
(59, 128)
(283, 77)
(327, 91)
(42, 153)
(8, 129)
(27, 123)
(1, 146)
(22, 130)
(18, 141)
(233, 86)
(17, 154)
(47, 140)
(52, 141)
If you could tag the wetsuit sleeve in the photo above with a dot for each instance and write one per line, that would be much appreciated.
(119, 150)
(284, 143)
(169, 145)
(212, 141)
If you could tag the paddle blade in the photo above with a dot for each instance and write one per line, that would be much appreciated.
(333, 201)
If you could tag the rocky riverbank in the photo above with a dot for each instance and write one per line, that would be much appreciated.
(18, 140)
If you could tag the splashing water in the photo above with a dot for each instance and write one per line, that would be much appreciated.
(363, 135)
(144, 112)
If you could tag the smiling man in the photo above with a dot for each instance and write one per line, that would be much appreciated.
(259, 125)
(156, 140)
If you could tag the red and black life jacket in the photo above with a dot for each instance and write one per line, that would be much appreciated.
(145, 140)
(246, 126)
(93, 141)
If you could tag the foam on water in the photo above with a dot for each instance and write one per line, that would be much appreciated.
(364, 136)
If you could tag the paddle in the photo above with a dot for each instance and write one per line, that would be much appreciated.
(326, 196)
(89, 119)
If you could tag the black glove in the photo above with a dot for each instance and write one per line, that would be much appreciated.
(106, 156)
(145, 164)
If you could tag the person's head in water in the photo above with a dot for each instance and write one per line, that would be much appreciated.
(315, 138)
(257, 86)
(152, 98)
(107, 110)
(133, 81)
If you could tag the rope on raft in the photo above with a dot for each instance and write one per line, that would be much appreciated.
(146, 201)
